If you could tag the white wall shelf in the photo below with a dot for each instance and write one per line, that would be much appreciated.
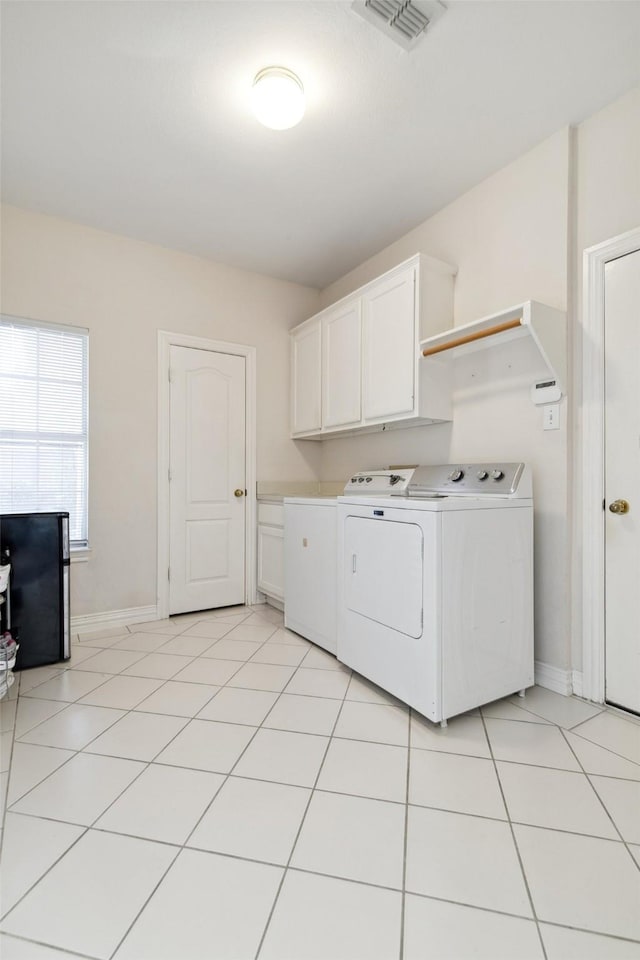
(544, 325)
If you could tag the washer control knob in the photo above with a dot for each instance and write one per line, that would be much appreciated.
(497, 474)
(360, 479)
(456, 475)
(369, 479)
(482, 474)
(354, 480)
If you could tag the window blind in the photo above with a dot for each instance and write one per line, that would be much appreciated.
(44, 421)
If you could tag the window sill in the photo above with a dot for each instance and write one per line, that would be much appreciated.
(79, 554)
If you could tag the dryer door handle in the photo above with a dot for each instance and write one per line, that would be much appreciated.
(354, 563)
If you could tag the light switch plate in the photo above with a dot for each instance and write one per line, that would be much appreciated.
(551, 416)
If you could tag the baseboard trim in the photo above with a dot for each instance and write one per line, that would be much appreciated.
(553, 678)
(576, 681)
(114, 618)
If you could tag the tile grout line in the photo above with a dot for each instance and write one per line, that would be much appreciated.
(146, 765)
(364, 883)
(147, 899)
(90, 826)
(261, 726)
(84, 829)
(612, 711)
(515, 842)
(594, 743)
(62, 951)
(406, 836)
(282, 783)
(226, 776)
(596, 933)
(4, 798)
(603, 805)
(287, 866)
(188, 719)
(180, 847)
(126, 712)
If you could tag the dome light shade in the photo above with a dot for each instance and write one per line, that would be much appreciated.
(278, 98)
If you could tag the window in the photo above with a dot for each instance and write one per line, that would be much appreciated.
(43, 421)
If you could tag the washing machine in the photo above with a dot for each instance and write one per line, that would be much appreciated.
(435, 587)
(311, 554)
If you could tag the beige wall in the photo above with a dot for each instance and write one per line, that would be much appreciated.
(607, 204)
(508, 238)
(521, 235)
(608, 172)
(518, 235)
(124, 292)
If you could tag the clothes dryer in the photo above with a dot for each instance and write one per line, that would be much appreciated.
(435, 587)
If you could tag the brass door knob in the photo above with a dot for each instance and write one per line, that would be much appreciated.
(619, 506)
(238, 493)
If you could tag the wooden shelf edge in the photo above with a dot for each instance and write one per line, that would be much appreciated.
(546, 326)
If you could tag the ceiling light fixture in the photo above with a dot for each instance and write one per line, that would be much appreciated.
(278, 98)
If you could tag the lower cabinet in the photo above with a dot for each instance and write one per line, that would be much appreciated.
(271, 550)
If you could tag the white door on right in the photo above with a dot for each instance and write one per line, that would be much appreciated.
(622, 481)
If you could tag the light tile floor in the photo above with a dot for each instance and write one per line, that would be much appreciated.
(214, 787)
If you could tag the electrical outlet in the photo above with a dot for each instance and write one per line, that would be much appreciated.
(551, 416)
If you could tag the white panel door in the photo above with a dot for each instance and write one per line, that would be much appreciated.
(306, 359)
(341, 362)
(207, 465)
(622, 481)
(389, 347)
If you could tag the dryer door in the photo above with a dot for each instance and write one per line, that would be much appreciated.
(383, 566)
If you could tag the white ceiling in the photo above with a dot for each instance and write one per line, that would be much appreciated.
(133, 117)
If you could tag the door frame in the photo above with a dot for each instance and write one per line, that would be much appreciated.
(166, 340)
(593, 458)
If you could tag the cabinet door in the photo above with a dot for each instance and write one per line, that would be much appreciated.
(341, 353)
(389, 346)
(271, 561)
(306, 362)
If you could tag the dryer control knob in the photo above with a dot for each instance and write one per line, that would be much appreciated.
(482, 475)
(456, 475)
(497, 474)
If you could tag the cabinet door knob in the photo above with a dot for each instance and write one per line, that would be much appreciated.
(238, 493)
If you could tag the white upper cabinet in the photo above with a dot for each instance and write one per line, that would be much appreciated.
(341, 377)
(388, 338)
(306, 367)
(370, 376)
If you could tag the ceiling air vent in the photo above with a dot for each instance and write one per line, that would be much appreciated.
(405, 21)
